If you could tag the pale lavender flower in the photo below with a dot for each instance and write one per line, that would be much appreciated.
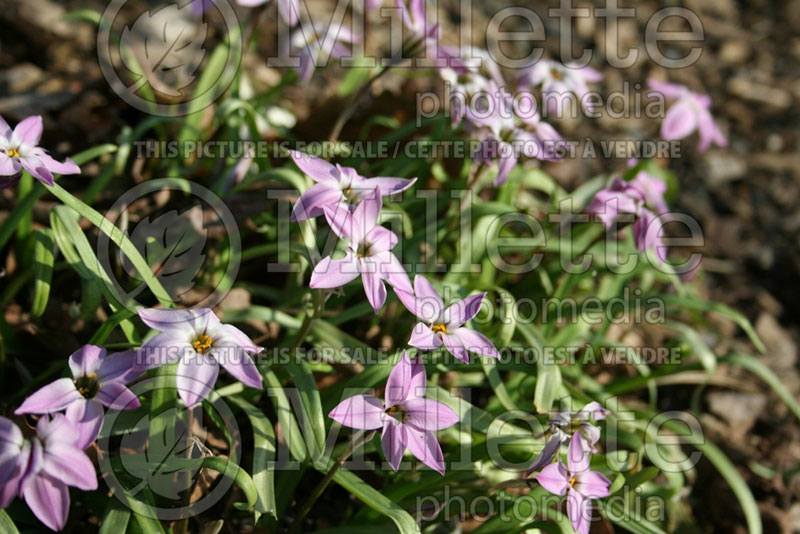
(368, 252)
(690, 112)
(40, 469)
(561, 83)
(200, 343)
(505, 136)
(642, 197)
(19, 150)
(407, 418)
(97, 381)
(578, 482)
(336, 185)
(444, 325)
(467, 79)
(314, 47)
(561, 427)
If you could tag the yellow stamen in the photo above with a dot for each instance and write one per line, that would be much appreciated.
(572, 482)
(391, 410)
(439, 329)
(202, 343)
(556, 74)
(13, 152)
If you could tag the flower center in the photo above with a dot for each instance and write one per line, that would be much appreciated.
(439, 329)
(396, 412)
(572, 482)
(202, 343)
(13, 152)
(362, 251)
(87, 386)
(556, 74)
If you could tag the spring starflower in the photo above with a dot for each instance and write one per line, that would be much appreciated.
(407, 418)
(98, 380)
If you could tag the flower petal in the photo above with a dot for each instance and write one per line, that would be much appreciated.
(239, 364)
(464, 310)
(578, 455)
(429, 305)
(86, 360)
(476, 342)
(429, 414)
(393, 442)
(578, 512)
(68, 167)
(554, 478)
(315, 168)
(330, 273)
(85, 420)
(117, 396)
(364, 412)
(311, 203)
(29, 130)
(51, 398)
(425, 447)
(592, 484)
(121, 366)
(680, 120)
(374, 288)
(48, 499)
(69, 465)
(197, 374)
(390, 186)
(168, 320)
(456, 347)
(423, 338)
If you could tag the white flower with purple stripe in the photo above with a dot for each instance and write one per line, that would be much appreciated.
(200, 343)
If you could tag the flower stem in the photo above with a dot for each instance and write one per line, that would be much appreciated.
(359, 439)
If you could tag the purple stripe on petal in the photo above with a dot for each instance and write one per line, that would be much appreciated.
(423, 338)
(311, 203)
(554, 478)
(48, 499)
(86, 360)
(315, 168)
(364, 412)
(393, 442)
(51, 398)
(240, 365)
(476, 342)
(85, 420)
(425, 447)
(29, 130)
(116, 396)
(464, 310)
(197, 374)
(69, 465)
(330, 273)
(429, 414)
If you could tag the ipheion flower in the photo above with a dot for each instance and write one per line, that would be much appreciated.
(408, 420)
(200, 343)
(97, 380)
(41, 468)
(19, 150)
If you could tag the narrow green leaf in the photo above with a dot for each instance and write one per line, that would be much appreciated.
(43, 258)
(377, 501)
(263, 457)
(115, 518)
(7, 526)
